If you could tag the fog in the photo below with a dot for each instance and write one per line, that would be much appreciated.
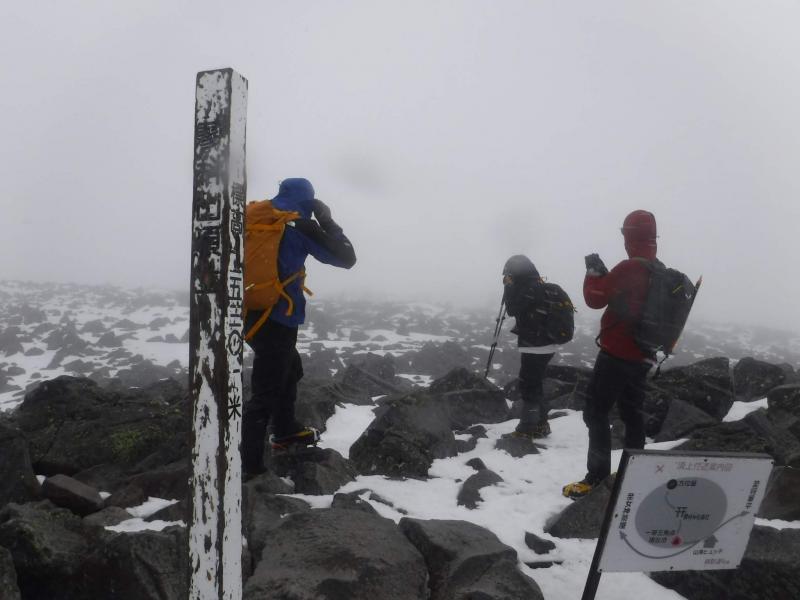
(445, 136)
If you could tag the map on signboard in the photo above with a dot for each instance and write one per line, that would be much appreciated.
(682, 511)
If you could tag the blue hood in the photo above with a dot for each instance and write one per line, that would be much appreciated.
(295, 194)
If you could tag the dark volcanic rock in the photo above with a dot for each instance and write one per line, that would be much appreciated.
(439, 359)
(784, 402)
(373, 375)
(470, 493)
(113, 515)
(9, 341)
(516, 446)
(70, 493)
(8, 577)
(142, 374)
(782, 500)
(468, 561)
(537, 544)
(17, 479)
(147, 565)
(584, 517)
(737, 436)
(263, 510)
(782, 445)
(315, 471)
(352, 501)
(169, 481)
(768, 571)
(358, 335)
(317, 400)
(72, 424)
(337, 554)
(754, 378)
(408, 433)
(682, 419)
(707, 384)
(49, 549)
(96, 327)
(476, 463)
(469, 399)
(109, 340)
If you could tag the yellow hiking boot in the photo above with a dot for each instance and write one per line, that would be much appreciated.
(578, 489)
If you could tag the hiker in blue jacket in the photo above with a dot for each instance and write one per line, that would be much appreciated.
(277, 366)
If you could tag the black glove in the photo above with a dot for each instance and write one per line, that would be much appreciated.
(595, 266)
(323, 215)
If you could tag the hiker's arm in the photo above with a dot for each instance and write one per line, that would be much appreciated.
(331, 248)
(598, 291)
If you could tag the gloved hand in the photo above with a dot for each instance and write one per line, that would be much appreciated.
(595, 266)
(323, 215)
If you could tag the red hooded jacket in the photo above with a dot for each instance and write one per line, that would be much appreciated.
(622, 292)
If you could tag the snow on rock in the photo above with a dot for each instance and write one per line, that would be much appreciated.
(150, 507)
(136, 524)
(740, 410)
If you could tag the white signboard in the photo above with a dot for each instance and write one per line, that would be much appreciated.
(683, 511)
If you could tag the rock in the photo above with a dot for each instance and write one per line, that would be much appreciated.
(321, 362)
(9, 341)
(34, 351)
(127, 325)
(476, 463)
(262, 511)
(79, 366)
(70, 493)
(18, 481)
(469, 495)
(333, 553)
(784, 402)
(358, 335)
(469, 399)
(768, 570)
(537, 544)
(96, 327)
(146, 565)
(8, 577)
(405, 437)
(142, 374)
(317, 400)
(782, 445)
(584, 517)
(782, 500)
(707, 384)
(159, 322)
(682, 419)
(352, 501)
(49, 549)
(170, 482)
(439, 359)
(113, 515)
(753, 379)
(737, 436)
(373, 375)
(72, 424)
(315, 471)
(109, 340)
(516, 446)
(468, 561)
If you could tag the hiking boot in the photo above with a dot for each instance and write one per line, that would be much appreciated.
(579, 489)
(307, 436)
(542, 430)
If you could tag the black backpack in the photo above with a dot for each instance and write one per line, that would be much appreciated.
(670, 296)
(558, 313)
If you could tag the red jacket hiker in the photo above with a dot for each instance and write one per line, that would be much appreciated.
(624, 289)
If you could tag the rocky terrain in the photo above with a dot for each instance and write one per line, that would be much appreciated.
(414, 491)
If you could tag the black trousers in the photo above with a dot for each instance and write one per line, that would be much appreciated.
(277, 367)
(531, 376)
(613, 381)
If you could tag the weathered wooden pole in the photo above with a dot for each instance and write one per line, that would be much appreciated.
(215, 360)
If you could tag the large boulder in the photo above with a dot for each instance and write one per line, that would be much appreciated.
(315, 471)
(169, 481)
(439, 359)
(707, 384)
(468, 561)
(337, 554)
(147, 565)
(768, 571)
(66, 492)
(782, 445)
(8, 577)
(9, 341)
(263, 508)
(682, 419)
(784, 402)
(49, 548)
(372, 374)
(584, 517)
(469, 399)
(72, 424)
(782, 500)
(738, 436)
(470, 493)
(753, 378)
(405, 437)
(17, 479)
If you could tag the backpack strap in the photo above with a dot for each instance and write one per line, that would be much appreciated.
(281, 289)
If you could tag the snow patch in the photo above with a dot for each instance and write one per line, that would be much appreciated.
(740, 410)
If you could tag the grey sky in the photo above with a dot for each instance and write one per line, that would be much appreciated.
(444, 135)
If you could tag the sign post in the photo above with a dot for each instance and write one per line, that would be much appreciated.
(679, 511)
(215, 360)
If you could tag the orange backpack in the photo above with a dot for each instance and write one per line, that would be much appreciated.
(263, 288)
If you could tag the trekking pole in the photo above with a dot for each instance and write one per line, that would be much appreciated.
(501, 316)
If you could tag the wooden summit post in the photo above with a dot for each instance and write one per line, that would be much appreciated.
(215, 356)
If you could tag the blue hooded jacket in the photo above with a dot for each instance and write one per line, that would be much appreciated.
(324, 241)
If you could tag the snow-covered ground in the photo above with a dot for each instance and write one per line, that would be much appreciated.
(528, 497)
